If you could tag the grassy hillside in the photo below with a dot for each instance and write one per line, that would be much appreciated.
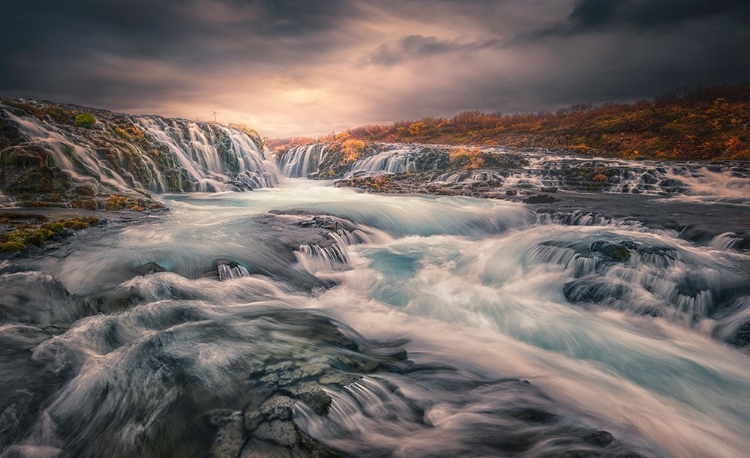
(711, 122)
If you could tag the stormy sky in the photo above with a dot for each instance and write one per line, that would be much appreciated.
(293, 67)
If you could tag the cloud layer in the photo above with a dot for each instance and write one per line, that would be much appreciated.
(291, 67)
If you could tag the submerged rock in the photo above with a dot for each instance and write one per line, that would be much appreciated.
(540, 199)
(741, 337)
(148, 269)
(36, 298)
(615, 252)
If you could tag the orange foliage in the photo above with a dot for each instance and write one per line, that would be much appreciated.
(469, 159)
(352, 150)
(702, 123)
(599, 178)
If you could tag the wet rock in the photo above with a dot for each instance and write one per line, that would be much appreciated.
(594, 291)
(230, 436)
(260, 449)
(85, 190)
(533, 415)
(741, 337)
(148, 269)
(33, 297)
(599, 438)
(317, 399)
(9, 421)
(31, 451)
(25, 170)
(278, 431)
(319, 222)
(614, 252)
(540, 199)
(278, 408)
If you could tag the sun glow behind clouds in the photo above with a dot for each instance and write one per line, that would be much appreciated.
(299, 67)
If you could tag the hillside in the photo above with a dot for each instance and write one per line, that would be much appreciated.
(704, 123)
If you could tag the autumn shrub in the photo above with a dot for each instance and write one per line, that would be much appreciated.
(352, 150)
(467, 159)
(122, 133)
(699, 123)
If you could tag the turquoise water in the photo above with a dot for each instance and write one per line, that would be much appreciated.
(477, 285)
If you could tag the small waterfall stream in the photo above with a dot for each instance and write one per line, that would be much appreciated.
(301, 161)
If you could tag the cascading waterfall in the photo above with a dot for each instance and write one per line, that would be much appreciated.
(227, 272)
(301, 161)
(541, 169)
(315, 258)
(78, 160)
(171, 154)
(481, 176)
(393, 161)
(210, 154)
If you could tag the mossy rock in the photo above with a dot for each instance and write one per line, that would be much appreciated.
(26, 234)
(88, 204)
(84, 120)
(11, 247)
(116, 202)
(615, 252)
(55, 228)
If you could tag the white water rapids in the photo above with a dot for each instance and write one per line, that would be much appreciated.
(474, 285)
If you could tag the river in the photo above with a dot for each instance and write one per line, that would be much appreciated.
(522, 337)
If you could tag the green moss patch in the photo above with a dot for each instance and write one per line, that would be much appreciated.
(28, 235)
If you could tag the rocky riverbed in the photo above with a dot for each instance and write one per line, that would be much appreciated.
(405, 300)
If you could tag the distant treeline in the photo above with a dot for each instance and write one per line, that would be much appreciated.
(708, 122)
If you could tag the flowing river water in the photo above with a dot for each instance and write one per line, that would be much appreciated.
(521, 337)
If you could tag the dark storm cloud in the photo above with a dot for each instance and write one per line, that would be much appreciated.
(303, 66)
(416, 46)
(63, 46)
(603, 15)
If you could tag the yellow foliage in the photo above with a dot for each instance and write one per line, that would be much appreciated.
(352, 150)
(417, 128)
(469, 159)
(116, 202)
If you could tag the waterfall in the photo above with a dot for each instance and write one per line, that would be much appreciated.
(301, 161)
(399, 160)
(227, 272)
(214, 157)
(158, 154)
(79, 161)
